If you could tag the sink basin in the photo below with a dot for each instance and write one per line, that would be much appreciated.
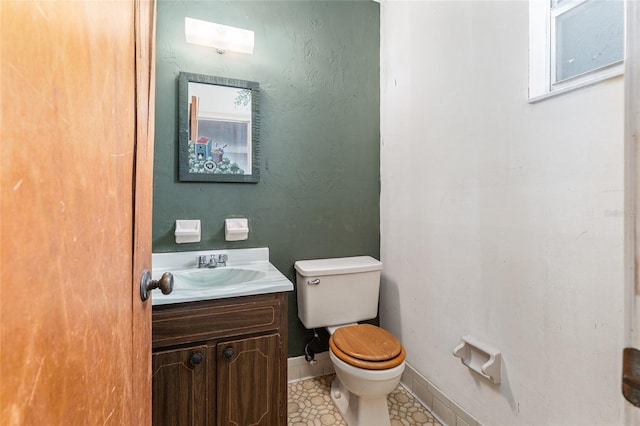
(219, 277)
(248, 272)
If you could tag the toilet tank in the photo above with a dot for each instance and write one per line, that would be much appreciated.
(337, 291)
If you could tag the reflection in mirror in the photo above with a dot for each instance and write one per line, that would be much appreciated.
(218, 129)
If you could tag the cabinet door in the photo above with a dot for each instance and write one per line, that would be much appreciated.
(248, 381)
(180, 387)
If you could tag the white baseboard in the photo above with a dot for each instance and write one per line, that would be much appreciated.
(442, 407)
(300, 369)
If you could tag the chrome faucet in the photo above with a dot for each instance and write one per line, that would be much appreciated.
(213, 262)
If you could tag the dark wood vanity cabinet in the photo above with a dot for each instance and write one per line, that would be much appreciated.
(220, 362)
(179, 389)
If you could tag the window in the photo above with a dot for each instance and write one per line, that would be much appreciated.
(573, 43)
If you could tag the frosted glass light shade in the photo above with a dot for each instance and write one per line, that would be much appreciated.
(221, 37)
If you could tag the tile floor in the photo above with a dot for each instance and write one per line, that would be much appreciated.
(310, 405)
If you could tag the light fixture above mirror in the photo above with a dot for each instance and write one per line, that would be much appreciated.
(221, 37)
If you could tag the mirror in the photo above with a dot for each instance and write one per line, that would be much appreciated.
(218, 129)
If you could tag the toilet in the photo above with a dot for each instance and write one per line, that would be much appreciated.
(368, 360)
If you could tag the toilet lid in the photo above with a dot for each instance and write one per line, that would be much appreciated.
(367, 346)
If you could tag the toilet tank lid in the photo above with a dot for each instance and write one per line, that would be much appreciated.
(340, 265)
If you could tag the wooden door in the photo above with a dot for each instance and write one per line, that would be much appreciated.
(248, 389)
(75, 187)
(180, 378)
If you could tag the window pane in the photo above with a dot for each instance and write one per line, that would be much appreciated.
(588, 37)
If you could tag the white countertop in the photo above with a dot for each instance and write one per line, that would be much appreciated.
(243, 262)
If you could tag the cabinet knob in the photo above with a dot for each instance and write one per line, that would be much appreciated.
(228, 353)
(196, 359)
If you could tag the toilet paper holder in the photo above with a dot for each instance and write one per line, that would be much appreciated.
(480, 357)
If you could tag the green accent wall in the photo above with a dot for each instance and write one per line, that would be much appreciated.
(317, 63)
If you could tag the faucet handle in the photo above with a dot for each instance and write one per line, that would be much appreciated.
(202, 261)
(223, 258)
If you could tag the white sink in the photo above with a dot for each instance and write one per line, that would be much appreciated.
(218, 277)
(248, 272)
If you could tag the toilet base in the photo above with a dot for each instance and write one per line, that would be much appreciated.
(359, 411)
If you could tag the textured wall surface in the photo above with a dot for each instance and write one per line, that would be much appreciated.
(516, 229)
(318, 196)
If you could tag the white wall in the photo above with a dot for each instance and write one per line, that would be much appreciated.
(499, 218)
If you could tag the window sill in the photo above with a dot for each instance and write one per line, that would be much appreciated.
(614, 72)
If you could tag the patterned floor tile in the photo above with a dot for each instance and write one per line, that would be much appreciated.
(310, 405)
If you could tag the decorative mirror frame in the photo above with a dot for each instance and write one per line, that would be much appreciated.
(184, 175)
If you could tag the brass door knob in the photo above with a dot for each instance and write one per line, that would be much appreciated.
(165, 284)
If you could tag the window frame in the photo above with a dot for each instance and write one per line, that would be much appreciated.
(542, 55)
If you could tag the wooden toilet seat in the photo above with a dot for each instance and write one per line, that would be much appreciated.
(367, 346)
